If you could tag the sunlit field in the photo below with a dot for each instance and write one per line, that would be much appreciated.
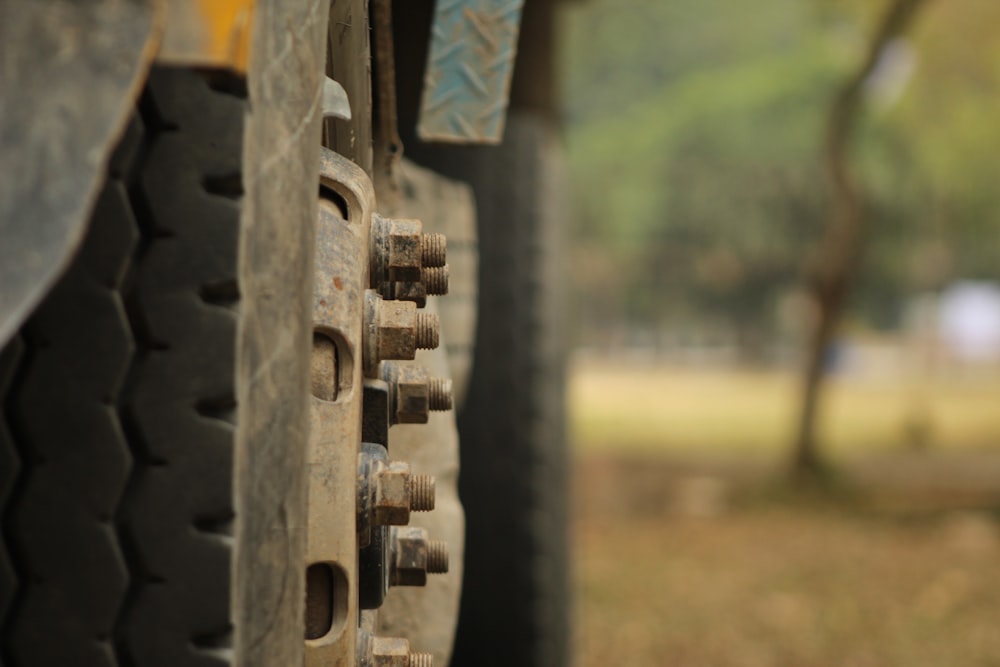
(645, 408)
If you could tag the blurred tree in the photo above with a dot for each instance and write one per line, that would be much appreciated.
(830, 277)
(699, 177)
(695, 134)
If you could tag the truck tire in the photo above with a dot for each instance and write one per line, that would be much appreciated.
(121, 464)
(513, 480)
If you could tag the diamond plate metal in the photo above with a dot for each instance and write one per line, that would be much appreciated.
(469, 67)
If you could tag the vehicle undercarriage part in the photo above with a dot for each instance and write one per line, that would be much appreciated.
(43, 219)
(427, 616)
(413, 394)
(469, 68)
(335, 413)
(208, 33)
(360, 501)
(389, 652)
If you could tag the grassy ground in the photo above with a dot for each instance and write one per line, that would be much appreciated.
(660, 409)
(689, 554)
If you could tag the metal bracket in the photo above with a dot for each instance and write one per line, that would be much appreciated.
(469, 69)
(342, 236)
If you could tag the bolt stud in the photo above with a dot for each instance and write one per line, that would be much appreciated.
(440, 396)
(421, 660)
(422, 493)
(427, 331)
(437, 557)
(435, 279)
(433, 249)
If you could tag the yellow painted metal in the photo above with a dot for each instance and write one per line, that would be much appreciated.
(211, 33)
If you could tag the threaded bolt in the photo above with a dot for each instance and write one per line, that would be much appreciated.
(421, 660)
(433, 249)
(437, 557)
(435, 279)
(439, 394)
(427, 326)
(421, 493)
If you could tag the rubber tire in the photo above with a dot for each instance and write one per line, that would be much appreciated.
(117, 463)
(513, 481)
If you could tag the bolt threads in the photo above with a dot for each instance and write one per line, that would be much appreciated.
(421, 660)
(433, 249)
(439, 396)
(427, 326)
(435, 279)
(437, 557)
(421, 493)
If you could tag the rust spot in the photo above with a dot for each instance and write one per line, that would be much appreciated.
(338, 284)
(322, 302)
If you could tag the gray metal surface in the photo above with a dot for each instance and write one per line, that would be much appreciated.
(53, 147)
(280, 166)
(335, 101)
(348, 62)
(469, 68)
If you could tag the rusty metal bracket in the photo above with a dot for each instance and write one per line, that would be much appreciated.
(342, 237)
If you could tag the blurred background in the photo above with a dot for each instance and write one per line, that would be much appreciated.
(785, 251)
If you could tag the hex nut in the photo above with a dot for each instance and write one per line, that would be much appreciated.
(390, 652)
(404, 250)
(414, 556)
(397, 330)
(409, 393)
(412, 395)
(410, 291)
(409, 557)
(391, 503)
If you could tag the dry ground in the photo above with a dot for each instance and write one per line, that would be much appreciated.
(695, 557)
(647, 408)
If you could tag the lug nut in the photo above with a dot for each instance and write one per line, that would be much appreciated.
(395, 330)
(413, 395)
(415, 292)
(389, 652)
(433, 249)
(435, 279)
(414, 556)
(396, 492)
(401, 251)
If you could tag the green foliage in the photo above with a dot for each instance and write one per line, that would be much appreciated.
(695, 135)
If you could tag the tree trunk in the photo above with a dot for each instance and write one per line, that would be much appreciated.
(843, 237)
